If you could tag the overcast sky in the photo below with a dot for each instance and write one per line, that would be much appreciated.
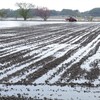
(81, 5)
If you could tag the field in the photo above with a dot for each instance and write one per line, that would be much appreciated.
(51, 61)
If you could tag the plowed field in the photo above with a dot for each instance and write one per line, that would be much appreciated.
(53, 54)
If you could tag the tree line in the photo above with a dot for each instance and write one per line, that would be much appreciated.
(27, 10)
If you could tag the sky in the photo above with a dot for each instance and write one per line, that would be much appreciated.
(81, 5)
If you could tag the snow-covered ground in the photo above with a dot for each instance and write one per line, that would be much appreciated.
(52, 53)
(10, 24)
(52, 92)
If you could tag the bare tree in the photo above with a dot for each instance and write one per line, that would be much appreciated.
(2, 14)
(44, 13)
(90, 18)
(24, 9)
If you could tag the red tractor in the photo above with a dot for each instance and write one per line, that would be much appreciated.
(71, 19)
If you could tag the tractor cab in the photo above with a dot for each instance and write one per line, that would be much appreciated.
(71, 19)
